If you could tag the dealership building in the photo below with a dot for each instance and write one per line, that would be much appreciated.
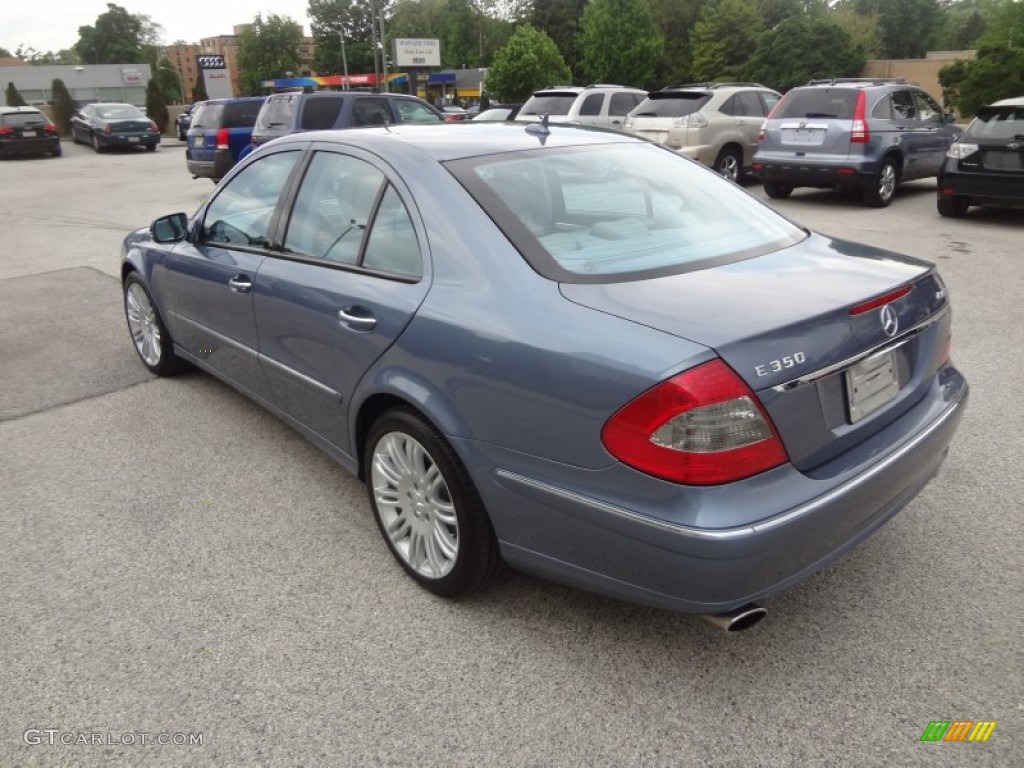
(124, 83)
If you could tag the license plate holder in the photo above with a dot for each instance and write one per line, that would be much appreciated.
(133, 138)
(870, 384)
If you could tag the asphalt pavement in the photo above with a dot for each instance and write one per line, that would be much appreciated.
(175, 562)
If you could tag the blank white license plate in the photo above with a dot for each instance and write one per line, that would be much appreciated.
(133, 138)
(28, 133)
(870, 384)
(801, 136)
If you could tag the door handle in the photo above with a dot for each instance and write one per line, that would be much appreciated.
(351, 317)
(240, 284)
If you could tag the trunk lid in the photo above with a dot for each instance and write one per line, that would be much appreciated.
(783, 322)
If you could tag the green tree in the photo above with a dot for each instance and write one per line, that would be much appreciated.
(559, 20)
(724, 38)
(4, 53)
(268, 49)
(63, 106)
(156, 105)
(528, 62)
(800, 48)
(675, 19)
(13, 97)
(619, 42)
(199, 89)
(330, 19)
(864, 29)
(170, 82)
(774, 12)
(997, 72)
(118, 37)
(907, 27)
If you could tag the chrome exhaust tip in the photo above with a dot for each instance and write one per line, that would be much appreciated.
(738, 619)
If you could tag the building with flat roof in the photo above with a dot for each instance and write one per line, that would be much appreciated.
(125, 83)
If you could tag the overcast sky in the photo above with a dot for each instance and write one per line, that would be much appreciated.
(49, 25)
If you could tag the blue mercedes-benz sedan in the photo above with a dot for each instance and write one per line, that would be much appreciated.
(568, 350)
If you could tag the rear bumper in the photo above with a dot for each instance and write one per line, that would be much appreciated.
(657, 552)
(801, 173)
(30, 146)
(983, 188)
(127, 139)
(212, 169)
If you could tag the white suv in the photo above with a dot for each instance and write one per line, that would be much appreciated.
(714, 123)
(605, 106)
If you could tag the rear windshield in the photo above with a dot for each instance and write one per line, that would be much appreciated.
(276, 113)
(241, 114)
(998, 123)
(553, 103)
(23, 118)
(677, 104)
(208, 116)
(837, 103)
(619, 212)
(118, 112)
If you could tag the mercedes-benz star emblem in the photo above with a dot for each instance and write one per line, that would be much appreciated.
(890, 323)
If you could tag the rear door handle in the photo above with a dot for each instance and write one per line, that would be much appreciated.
(357, 318)
(240, 284)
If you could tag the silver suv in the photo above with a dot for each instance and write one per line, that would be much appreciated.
(867, 134)
(604, 106)
(714, 123)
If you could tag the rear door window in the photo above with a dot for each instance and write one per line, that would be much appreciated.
(750, 105)
(903, 105)
(591, 106)
(623, 103)
(770, 100)
(371, 111)
(320, 114)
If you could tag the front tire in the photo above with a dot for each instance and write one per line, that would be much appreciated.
(149, 334)
(776, 190)
(729, 164)
(879, 193)
(953, 207)
(426, 506)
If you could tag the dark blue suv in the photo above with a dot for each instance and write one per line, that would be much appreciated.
(220, 130)
(867, 134)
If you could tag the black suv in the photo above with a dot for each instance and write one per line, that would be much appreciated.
(295, 111)
(867, 134)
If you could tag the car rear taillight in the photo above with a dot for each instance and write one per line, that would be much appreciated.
(859, 133)
(702, 427)
(6, 130)
(222, 138)
(152, 127)
(764, 126)
(50, 128)
(106, 128)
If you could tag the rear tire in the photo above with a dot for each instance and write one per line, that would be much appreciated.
(729, 164)
(952, 207)
(96, 144)
(426, 506)
(776, 190)
(151, 147)
(56, 151)
(879, 193)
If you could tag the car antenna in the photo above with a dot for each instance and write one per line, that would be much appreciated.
(541, 128)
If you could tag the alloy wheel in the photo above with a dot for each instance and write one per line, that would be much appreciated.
(415, 505)
(143, 324)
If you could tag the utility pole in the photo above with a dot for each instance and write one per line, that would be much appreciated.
(344, 58)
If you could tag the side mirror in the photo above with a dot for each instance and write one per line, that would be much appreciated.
(170, 229)
(949, 117)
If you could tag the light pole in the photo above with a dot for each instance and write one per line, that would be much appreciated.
(344, 58)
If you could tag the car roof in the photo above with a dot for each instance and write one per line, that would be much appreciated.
(228, 101)
(455, 141)
(14, 110)
(1016, 101)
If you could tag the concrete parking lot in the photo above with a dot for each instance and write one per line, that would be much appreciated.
(176, 561)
